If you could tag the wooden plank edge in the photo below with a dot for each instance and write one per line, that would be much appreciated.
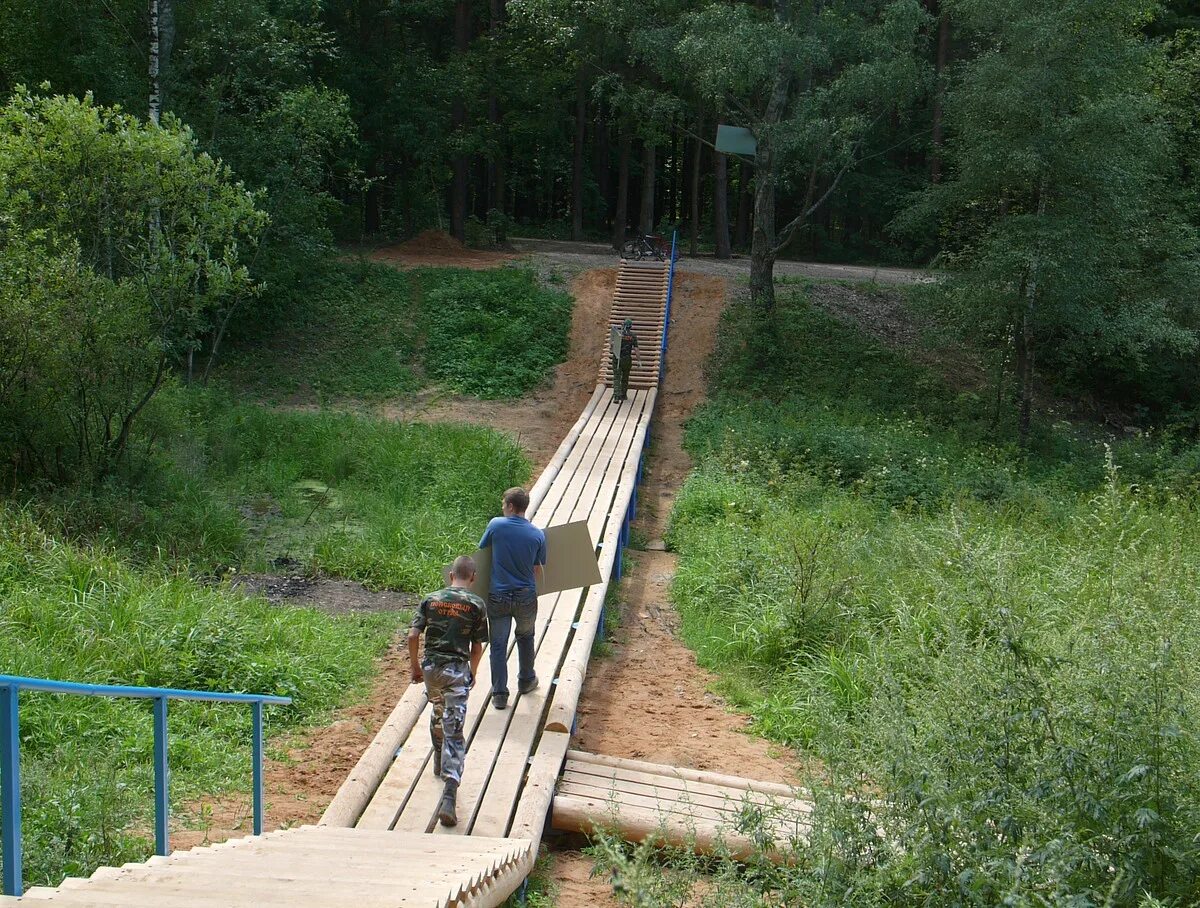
(572, 814)
(570, 678)
(539, 489)
(360, 786)
(686, 774)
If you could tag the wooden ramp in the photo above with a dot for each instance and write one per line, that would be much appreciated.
(641, 295)
(592, 478)
(339, 868)
(685, 807)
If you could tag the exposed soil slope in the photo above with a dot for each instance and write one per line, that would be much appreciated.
(436, 247)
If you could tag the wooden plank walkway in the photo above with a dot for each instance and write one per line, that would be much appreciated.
(339, 868)
(593, 483)
(641, 295)
(706, 811)
(377, 843)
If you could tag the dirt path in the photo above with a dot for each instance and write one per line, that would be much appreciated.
(649, 700)
(589, 255)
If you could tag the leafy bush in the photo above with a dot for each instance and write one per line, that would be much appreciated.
(994, 658)
(84, 615)
(119, 260)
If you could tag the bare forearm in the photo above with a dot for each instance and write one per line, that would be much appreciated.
(476, 656)
(414, 656)
(539, 573)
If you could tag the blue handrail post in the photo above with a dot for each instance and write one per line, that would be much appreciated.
(256, 739)
(10, 789)
(162, 804)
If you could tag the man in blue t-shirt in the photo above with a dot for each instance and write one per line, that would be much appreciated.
(518, 557)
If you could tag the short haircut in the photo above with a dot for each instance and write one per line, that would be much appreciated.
(517, 499)
(463, 567)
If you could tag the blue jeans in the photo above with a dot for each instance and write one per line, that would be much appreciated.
(503, 610)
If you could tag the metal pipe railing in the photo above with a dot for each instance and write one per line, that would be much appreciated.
(10, 755)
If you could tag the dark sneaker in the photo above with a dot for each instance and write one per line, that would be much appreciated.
(447, 815)
(500, 701)
(526, 686)
(437, 762)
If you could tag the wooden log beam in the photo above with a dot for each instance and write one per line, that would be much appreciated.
(355, 793)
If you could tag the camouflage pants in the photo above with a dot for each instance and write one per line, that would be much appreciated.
(447, 686)
(621, 369)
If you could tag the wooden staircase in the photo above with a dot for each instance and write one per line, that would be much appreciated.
(310, 866)
(641, 295)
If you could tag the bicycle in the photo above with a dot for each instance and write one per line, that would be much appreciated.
(642, 248)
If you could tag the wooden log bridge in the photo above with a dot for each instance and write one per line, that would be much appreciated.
(378, 844)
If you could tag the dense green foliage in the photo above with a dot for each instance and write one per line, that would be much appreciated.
(368, 331)
(240, 485)
(1043, 155)
(85, 615)
(996, 652)
(118, 256)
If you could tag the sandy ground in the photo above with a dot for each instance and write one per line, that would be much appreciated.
(436, 248)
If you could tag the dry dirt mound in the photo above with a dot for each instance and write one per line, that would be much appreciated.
(436, 247)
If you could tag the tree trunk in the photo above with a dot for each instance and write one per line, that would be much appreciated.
(621, 208)
(1023, 343)
(1024, 333)
(697, 161)
(577, 157)
(741, 228)
(763, 238)
(646, 220)
(721, 205)
(938, 137)
(496, 169)
(600, 163)
(458, 120)
(155, 87)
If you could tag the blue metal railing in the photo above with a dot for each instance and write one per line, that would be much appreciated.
(10, 755)
(670, 292)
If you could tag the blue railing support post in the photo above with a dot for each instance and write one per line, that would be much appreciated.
(10, 789)
(162, 804)
(256, 739)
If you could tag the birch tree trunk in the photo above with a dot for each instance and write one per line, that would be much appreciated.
(155, 87)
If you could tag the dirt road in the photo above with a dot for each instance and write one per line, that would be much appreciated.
(594, 255)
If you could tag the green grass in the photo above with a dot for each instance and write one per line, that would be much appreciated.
(994, 652)
(240, 485)
(357, 330)
(86, 615)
